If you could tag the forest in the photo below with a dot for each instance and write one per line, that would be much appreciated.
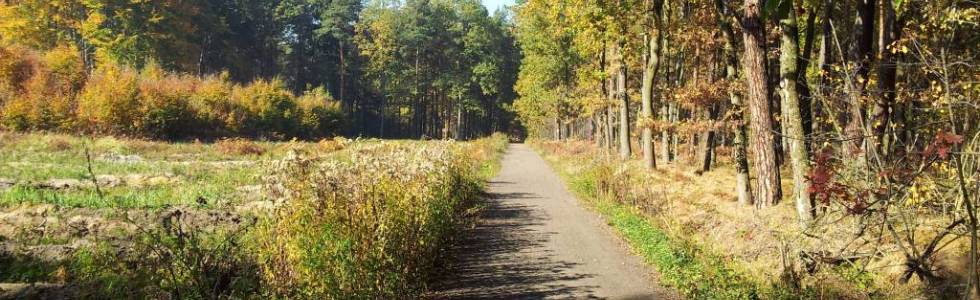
(276, 69)
(868, 108)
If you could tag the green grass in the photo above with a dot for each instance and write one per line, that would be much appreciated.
(200, 169)
(215, 186)
(25, 269)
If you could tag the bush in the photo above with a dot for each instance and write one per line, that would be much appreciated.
(110, 102)
(213, 109)
(165, 111)
(40, 91)
(177, 260)
(320, 114)
(271, 108)
(51, 91)
(16, 65)
(238, 147)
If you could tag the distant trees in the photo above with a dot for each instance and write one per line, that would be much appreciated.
(442, 69)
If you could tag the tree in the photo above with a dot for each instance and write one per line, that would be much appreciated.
(740, 158)
(768, 192)
(652, 63)
(792, 110)
(856, 79)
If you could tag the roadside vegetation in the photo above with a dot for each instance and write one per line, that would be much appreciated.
(706, 246)
(121, 218)
(695, 113)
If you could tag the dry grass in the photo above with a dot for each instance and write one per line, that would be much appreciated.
(768, 245)
(334, 144)
(57, 143)
(239, 146)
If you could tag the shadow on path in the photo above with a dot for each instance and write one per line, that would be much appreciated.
(505, 257)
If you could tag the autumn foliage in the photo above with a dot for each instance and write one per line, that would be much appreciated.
(51, 91)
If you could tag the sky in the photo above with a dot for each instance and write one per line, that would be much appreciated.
(492, 5)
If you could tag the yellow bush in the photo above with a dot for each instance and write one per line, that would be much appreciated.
(238, 147)
(15, 67)
(109, 103)
(271, 108)
(164, 109)
(213, 108)
(41, 94)
(52, 91)
(321, 115)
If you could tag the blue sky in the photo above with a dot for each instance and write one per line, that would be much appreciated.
(492, 5)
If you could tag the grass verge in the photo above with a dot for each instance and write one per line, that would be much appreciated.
(682, 263)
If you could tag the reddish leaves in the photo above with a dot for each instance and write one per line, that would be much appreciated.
(825, 189)
(942, 144)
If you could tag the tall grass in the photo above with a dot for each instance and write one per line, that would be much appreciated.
(369, 225)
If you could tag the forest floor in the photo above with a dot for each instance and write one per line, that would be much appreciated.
(534, 240)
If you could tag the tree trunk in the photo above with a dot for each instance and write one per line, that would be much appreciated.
(768, 192)
(625, 150)
(649, 75)
(802, 86)
(708, 139)
(823, 61)
(740, 140)
(557, 129)
(792, 119)
(675, 108)
(889, 31)
(601, 123)
(459, 121)
(610, 123)
(860, 59)
(343, 62)
(609, 129)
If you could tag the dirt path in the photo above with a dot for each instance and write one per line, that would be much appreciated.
(534, 241)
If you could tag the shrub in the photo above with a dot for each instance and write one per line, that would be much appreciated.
(41, 94)
(177, 260)
(110, 102)
(15, 67)
(165, 111)
(271, 108)
(51, 91)
(320, 115)
(213, 109)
